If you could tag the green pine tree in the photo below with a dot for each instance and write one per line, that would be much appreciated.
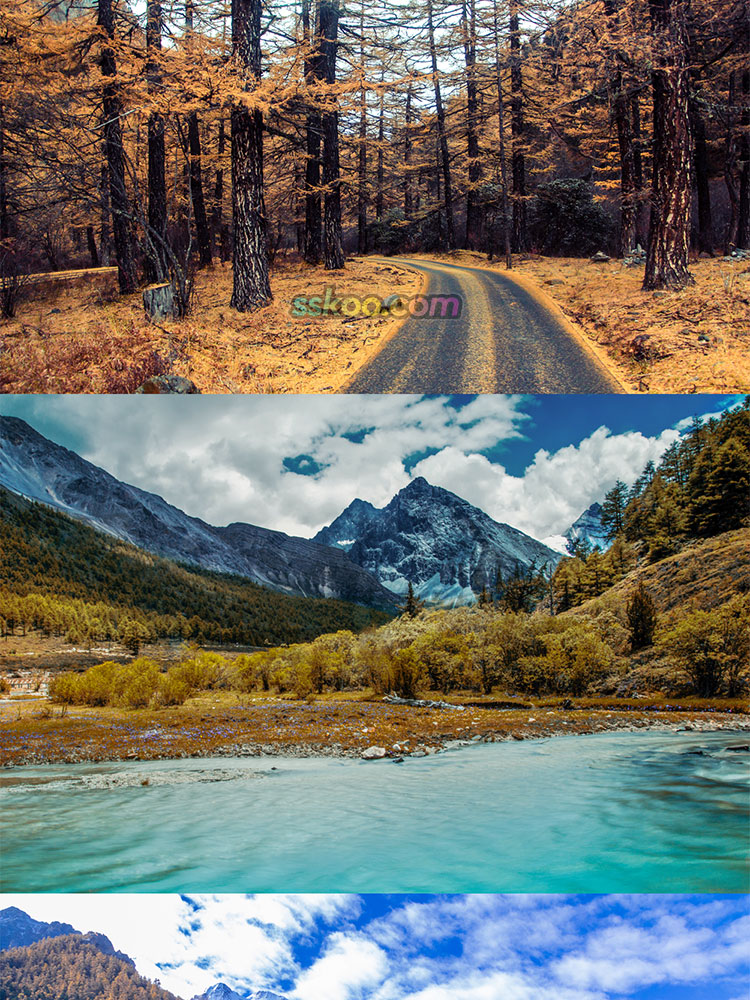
(613, 509)
(641, 612)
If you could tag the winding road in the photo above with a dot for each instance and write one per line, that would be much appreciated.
(504, 340)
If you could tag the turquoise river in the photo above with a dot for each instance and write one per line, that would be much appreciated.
(633, 812)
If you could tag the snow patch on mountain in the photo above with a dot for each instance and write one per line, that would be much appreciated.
(587, 528)
(441, 544)
(222, 992)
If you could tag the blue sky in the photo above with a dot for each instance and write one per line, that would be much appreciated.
(295, 462)
(473, 947)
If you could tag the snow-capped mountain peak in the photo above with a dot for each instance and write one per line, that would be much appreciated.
(440, 543)
(41, 470)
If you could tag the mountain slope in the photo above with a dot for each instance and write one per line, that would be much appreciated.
(441, 544)
(703, 575)
(37, 468)
(73, 967)
(44, 552)
(18, 929)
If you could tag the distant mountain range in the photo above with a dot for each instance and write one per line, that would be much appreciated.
(222, 992)
(427, 536)
(53, 960)
(444, 546)
(37, 468)
(18, 929)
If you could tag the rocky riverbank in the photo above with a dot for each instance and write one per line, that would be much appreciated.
(31, 734)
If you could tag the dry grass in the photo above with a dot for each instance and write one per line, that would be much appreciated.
(72, 341)
(224, 724)
(696, 340)
(702, 576)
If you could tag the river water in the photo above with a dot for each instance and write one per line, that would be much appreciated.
(633, 812)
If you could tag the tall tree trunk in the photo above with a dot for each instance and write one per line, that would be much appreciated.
(104, 213)
(450, 231)
(380, 184)
(441, 234)
(91, 244)
(743, 220)
(202, 232)
(333, 251)
(4, 215)
(517, 131)
(505, 206)
(474, 212)
(626, 144)
(408, 196)
(730, 162)
(362, 151)
(299, 207)
(640, 220)
(157, 260)
(705, 227)
(313, 71)
(217, 216)
(671, 187)
(252, 287)
(115, 156)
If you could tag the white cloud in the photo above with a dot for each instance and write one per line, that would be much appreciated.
(244, 941)
(221, 458)
(556, 487)
(472, 947)
(349, 965)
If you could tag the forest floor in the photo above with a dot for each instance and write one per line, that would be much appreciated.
(222, 724)
(70, 341)
(696, 340)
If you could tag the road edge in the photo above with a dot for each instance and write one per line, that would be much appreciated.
(545, 300)
(394, 327)
(578, 333)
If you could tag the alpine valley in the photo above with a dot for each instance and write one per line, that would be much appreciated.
(445, 547)
(229, 709)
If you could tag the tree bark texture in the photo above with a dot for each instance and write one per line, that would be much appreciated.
(450, 231)
(705, 236)
(474, 211)
(517, 131)
(671, 188)
(333, 251)
(115, 157)
(156, 253)
(314, 71)
(252, 287)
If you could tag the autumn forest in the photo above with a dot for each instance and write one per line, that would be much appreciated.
(162, 136)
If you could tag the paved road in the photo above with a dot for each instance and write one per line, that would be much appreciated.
(503, 341)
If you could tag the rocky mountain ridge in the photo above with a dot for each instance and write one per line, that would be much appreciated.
(222, 992)
(37, 468)
(444, 546)
(19, 930)
(588, 528)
